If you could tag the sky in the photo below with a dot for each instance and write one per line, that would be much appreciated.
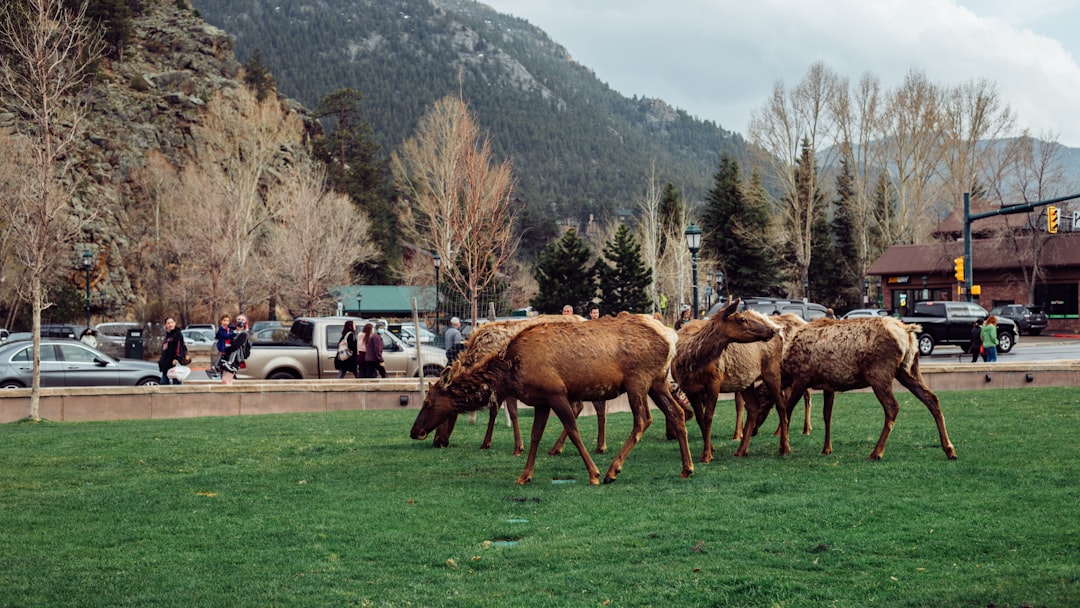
(720, 59)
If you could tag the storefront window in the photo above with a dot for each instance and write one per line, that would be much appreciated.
(1059, 301)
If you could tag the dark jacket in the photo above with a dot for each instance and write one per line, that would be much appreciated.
(238, 350)
(224, 337)
(172, 349)
(374, 347)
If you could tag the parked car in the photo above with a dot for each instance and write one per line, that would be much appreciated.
(198, 340)
(71, 363)
(270, 334)
(951, 322)
(4, 335)
(1029, 318)
(866, 312)
(405, 332)
(52, 330)
(770, 306)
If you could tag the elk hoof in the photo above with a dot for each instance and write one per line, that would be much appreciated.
(687, 473)
(524, 480)
(609, 478)
(554, 451)
(951, 452)
(874, 456)
(519, 451)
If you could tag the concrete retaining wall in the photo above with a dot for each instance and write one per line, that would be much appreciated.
(277, 397)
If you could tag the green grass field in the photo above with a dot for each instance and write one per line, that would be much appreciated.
(344, 509)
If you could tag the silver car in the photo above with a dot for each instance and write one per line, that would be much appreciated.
(71, 363)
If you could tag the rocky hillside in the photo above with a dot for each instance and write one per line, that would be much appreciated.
(144, 103)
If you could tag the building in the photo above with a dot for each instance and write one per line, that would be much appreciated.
(1003, 252)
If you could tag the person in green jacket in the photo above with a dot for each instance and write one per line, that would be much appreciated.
(989, 338)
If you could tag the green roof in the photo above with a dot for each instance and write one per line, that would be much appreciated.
(383, 300)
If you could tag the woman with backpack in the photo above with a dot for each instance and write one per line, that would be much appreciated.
(345, 361)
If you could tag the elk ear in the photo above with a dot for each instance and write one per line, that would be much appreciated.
(447, 374)
(730, 308)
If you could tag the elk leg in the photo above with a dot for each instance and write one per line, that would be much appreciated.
(540, 418)
(826, 414)
(891, 406)
(705, 413)
(512, 414)
(753, 406)
(676, 416)
(642, 420)
(740, 407)
(785, 416)
(557, 448)
(493, 417)
(806, 428)
(443, 431)
(601, 426)
(568, 414)
(918, 388)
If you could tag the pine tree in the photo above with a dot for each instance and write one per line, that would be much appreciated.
(671, 213)
(736, 232)
(564, 275)
(848, 269)
(354, 165)
(623, 278)
(257, 76)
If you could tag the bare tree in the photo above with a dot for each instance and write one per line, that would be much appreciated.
(780, 129)
(319, 236)
(244, 144)
(649, 229)
(49, 59)
(972, 114)
(459, 203)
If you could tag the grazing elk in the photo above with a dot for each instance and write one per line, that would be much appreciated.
(842, 355)
(493, 338)
(728, 354)
(548, 366)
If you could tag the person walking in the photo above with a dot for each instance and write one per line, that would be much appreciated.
(89, 337)
(373, 355)
(976, 341)
(173, 351)
(990, 338)
(455, 343)
(684, 318)
(236, 352)
(348, 341)
(361, 350)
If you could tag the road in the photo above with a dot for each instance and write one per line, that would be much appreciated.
(1030, 348)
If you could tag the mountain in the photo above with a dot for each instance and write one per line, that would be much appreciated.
(578, 147)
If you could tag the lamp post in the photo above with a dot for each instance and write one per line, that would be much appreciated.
(925, 292)
(720, 286)
(708, 288)
(437, 261)
(693, 242)
(87, 262)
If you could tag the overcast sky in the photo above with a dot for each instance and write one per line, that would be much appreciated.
(719, 59)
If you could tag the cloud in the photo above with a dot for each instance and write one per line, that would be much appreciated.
(719, 60)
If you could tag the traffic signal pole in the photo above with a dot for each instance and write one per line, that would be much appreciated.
(1008, 210)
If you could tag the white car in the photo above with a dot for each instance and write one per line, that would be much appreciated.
(866, 312)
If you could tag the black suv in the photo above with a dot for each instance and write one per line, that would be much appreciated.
(770, 306)
(1029, 319)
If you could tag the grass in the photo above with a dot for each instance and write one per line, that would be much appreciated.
(343, 509)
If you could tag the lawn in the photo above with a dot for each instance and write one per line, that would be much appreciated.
(343, 509)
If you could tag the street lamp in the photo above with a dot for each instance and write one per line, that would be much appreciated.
(925, 292)
(437, 261)
(693, 242)
(719, 286)
(87, 262)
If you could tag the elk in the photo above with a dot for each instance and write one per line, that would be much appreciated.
(842, 355)
(548, 366)
(493, 338)
(713, 357)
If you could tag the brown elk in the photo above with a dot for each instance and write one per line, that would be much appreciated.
(842, 355)
(548, 366)
(493, 338)
(713, 357)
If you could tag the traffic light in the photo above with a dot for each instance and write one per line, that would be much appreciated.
(1052, 219)
(958, 266)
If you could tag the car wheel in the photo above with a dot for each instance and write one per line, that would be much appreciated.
(149, 382)
(1005, 342)
(1034, 332)
(11, 384)
(283, 375)
(432, 371)
(926, 344)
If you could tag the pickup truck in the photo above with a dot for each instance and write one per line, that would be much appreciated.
(311, 347)
(950, 323)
